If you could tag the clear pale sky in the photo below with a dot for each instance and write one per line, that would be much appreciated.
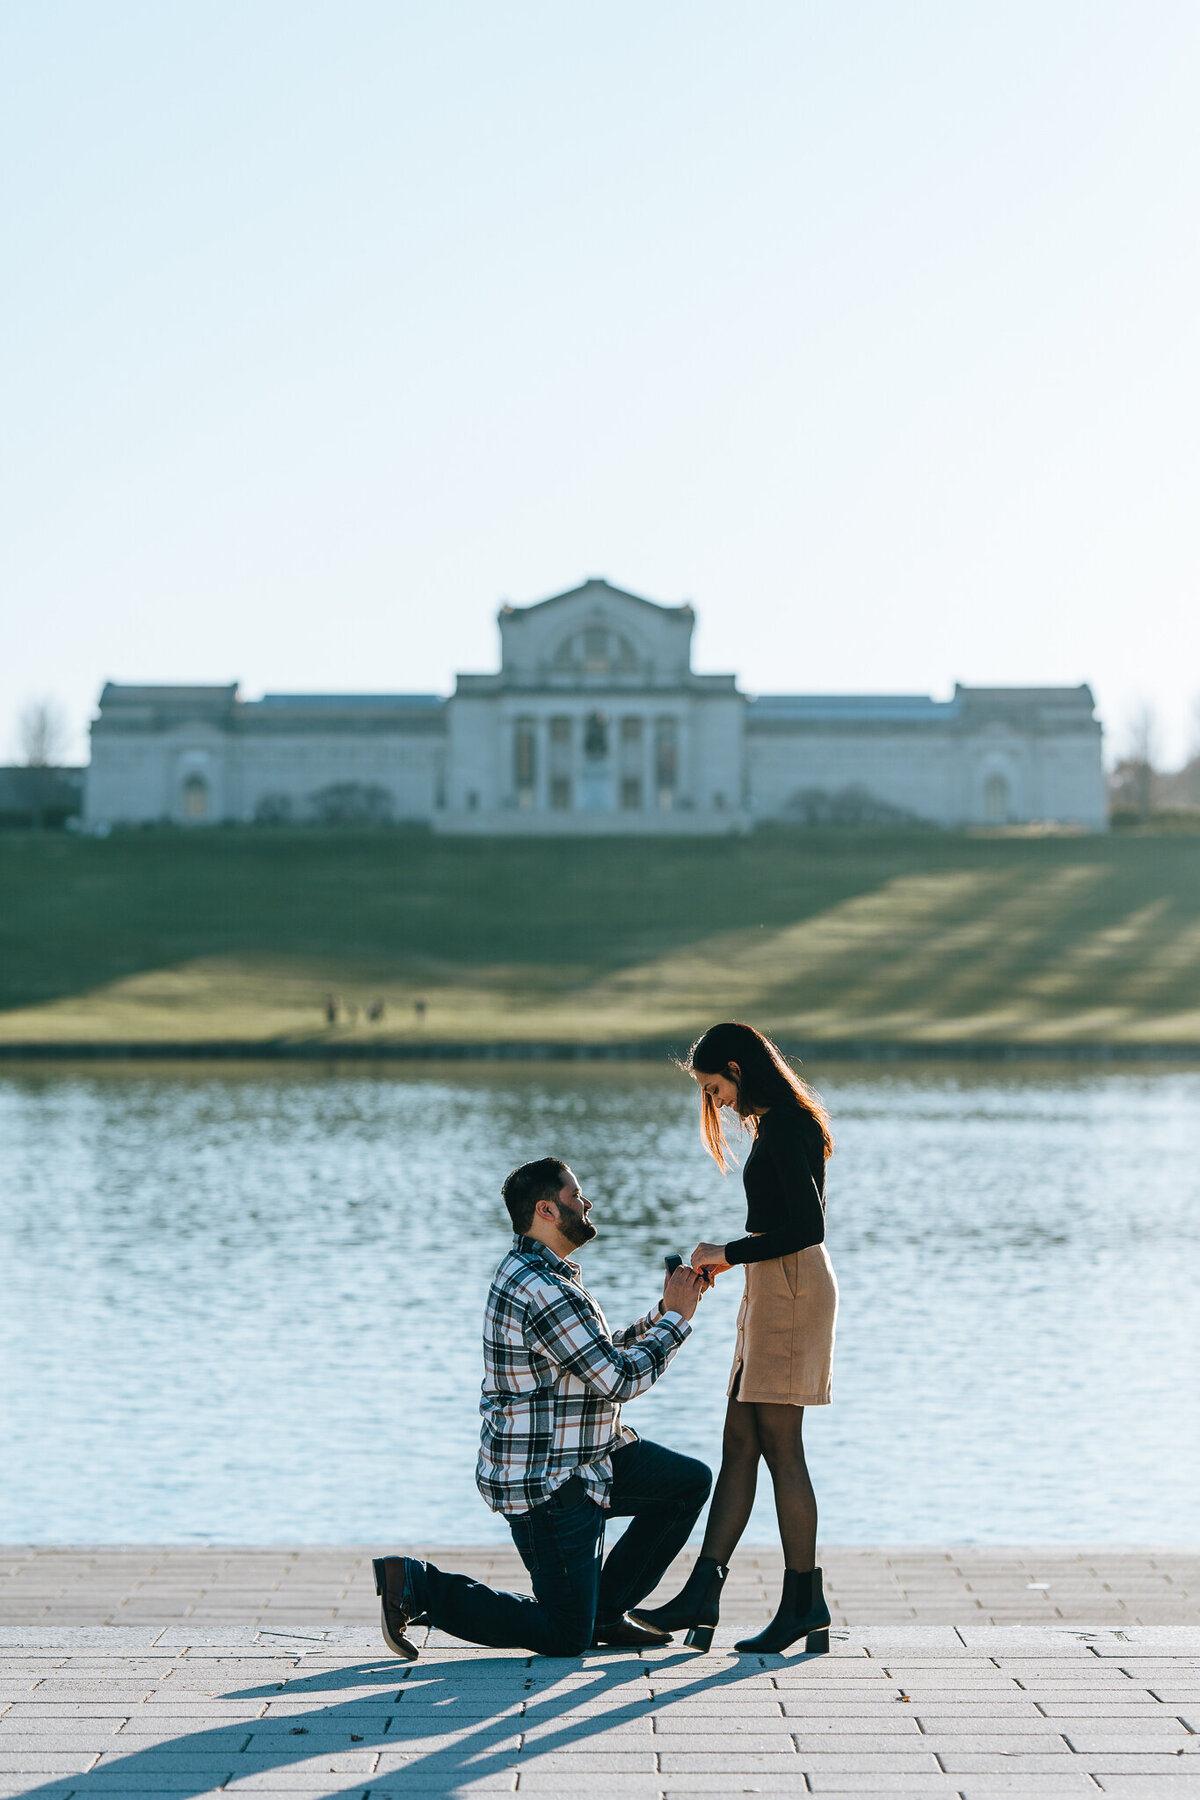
(871, 328)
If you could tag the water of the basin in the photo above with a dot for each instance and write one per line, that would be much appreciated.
(245, 1307)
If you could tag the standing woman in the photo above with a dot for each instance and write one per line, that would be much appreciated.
(784, 1355)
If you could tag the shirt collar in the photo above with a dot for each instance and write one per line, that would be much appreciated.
(531, 1246)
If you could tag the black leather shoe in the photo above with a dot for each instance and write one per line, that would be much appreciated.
(626, 1634)
(391, 1584)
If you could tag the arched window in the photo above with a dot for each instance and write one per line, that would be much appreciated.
(997, 809)
(596, 651)
(195, 796)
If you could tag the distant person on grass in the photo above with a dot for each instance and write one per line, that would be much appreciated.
(555, 1458)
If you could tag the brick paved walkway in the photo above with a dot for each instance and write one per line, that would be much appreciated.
(324, 1587)
(194, 1702)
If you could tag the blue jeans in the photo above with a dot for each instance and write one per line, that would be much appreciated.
(561, 1543)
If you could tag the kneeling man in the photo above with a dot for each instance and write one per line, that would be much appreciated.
(555, 1458)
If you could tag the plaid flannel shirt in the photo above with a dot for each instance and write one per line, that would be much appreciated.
(555, 1377)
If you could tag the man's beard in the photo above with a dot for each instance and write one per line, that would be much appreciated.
(575, 1228)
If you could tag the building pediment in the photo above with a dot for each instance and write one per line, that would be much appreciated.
(595, 635)
(596, 590)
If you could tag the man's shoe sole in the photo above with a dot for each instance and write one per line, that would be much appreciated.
(399, 1646)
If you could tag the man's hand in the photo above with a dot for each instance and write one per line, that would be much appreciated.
(711, 1258)
(682, 1290)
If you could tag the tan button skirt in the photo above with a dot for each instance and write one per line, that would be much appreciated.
(785, 1330)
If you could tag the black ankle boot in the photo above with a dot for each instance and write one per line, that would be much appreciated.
(802, 1613)
(697, 1605)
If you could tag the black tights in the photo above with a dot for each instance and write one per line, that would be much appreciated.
(774, 1433)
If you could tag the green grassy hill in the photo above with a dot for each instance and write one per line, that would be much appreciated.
(915, 937)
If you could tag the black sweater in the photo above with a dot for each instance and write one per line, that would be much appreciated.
(784, 1178)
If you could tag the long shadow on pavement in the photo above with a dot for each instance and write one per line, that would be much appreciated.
(435, 1692)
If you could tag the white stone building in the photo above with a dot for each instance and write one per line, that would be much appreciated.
(595, 723)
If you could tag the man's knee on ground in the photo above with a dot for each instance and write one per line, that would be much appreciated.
(568, 1637)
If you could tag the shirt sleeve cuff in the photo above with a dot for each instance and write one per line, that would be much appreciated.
(677, 1324)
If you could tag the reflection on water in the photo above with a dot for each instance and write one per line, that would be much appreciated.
(244, 1307)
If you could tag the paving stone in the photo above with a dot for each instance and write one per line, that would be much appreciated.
(1097, 1742)
(11, 1786)
(1141, 1762)
(303, 1789)
(998, 1723)
(201, 1761)
(864, 1781)
(69, 1710)
(998, 1762)
(1003, 1787)
(48, 1762)
(1124, 1708)
(78, 1734)
(1152, 1787)
(150, 1787)
(1004, 1710)
(588, 1760)
(859, 1762)
(916, 1787)
(414, 1783)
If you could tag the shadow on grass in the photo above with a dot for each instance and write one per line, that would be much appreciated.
(78, 915)
(174, 936)
(476, 1699)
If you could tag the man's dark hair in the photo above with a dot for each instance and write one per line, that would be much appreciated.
(532, 1182)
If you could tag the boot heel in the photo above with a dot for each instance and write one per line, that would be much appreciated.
(377, 1571)
(817, 1643)
(700, 1637)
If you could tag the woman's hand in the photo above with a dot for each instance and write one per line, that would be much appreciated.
(710, 1258)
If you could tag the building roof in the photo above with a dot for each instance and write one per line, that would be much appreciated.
(347, 702)
(852, 709)
(1037, 709)
(1040, 696)
(125, 693)
(144, 708)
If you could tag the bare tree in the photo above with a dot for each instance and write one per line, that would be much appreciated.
(42, 733)
(1179, 788)
(1139, 764)
(1142, 735)
(1189, 775)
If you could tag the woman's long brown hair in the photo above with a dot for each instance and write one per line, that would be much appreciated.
(766, 1079)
